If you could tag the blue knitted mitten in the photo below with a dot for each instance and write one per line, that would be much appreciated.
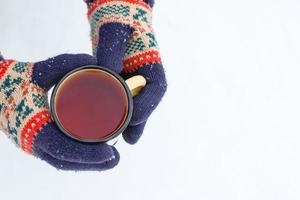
(123, 41)
(26, 120)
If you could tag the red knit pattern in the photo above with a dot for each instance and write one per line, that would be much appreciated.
(4, 65)
(139, 60)
(96, 3)
(31, 129)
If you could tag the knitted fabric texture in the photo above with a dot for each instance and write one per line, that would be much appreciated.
(123, 41)
(24, 105)
(142, 47)
(26, 120)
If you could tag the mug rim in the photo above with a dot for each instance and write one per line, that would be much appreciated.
(111, 136)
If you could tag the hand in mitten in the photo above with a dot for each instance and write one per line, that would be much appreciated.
(123, 41)
(26, 120)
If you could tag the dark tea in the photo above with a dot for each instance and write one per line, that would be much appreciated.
(91, 104)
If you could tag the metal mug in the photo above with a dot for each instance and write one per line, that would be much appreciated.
(131, 87)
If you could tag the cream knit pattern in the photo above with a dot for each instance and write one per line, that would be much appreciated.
(142, 47)
(24, 106)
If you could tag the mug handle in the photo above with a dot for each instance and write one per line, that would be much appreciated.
(136, 84)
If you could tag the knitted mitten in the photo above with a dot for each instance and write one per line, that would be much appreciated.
(123, 40)
(26, 120)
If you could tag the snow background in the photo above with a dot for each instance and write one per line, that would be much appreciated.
(228, 127)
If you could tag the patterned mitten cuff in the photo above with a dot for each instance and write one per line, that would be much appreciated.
(136, 18)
